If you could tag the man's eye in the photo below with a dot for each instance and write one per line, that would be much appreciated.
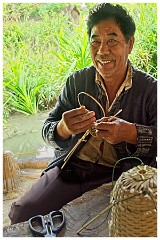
(95, 43)
(112, 42)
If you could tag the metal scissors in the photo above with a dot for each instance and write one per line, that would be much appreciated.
(47, 227)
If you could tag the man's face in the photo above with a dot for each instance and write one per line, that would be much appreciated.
(109, 50)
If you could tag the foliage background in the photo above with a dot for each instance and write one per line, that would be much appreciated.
(42, 46)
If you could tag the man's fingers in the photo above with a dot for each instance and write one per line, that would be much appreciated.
(107, 119)
(104, 125)
(75, 112)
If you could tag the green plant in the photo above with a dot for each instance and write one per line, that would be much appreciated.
(6, 106)
(144, 54)
(72, 50)
(23, 92)
(12, 36)
(42, 47)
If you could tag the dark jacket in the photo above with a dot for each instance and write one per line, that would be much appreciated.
(138, 104)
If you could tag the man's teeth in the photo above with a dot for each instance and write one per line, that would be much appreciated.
(105, 62)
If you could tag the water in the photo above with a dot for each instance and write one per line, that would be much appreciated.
(24, 138)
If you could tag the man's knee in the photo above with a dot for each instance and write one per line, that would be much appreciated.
(19, 212)
(14, 213)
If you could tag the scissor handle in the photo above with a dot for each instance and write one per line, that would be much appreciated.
(55, 215)
(40, 219)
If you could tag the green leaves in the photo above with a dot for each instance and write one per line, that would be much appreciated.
(22, 92)
(42, 47)
(144, 54)
(72, 49)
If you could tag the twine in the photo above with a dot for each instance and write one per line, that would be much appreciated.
(122, 159)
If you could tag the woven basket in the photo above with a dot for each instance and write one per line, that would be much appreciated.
(134, 195)
(10, 175)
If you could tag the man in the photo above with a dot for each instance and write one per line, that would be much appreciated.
(113, 85)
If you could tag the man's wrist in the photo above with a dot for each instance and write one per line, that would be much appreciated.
(62, 131)
(132, 134)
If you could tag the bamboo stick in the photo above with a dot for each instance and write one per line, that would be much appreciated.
(74, 148)
(97, 216)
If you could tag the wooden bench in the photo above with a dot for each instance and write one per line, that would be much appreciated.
(77, 213)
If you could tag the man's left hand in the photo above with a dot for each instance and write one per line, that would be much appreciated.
(115, 130)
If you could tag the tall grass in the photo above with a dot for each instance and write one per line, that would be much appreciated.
(144, 54)
(72, 50)
(44, 46)
(23, 92)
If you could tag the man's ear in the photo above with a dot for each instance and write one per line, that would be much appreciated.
(131, 43)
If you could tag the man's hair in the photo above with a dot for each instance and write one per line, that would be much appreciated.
(105, 11)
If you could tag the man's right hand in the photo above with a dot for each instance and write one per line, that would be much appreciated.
(75, 121)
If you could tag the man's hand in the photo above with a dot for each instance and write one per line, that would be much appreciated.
(75, 121)
(115, 130)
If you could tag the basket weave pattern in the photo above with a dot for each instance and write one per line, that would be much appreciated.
(134, 213)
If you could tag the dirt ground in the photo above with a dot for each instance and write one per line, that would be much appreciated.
(25, 179)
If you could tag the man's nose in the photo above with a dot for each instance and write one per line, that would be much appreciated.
(103, 48)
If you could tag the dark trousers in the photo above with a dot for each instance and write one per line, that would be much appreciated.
(58, 187)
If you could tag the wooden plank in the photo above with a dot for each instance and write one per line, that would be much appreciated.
(77, 212)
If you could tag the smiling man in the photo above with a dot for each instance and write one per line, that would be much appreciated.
(109, 51)
(114, 85)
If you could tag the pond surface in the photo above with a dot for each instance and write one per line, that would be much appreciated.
(23, 137)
